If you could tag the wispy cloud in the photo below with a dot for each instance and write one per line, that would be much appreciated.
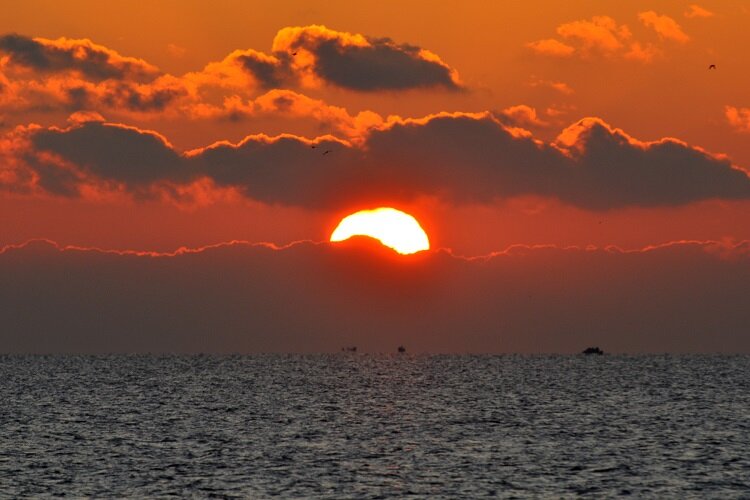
(695, 10)
(602, 36)
(113, 301)
(666, 27)
(560, 87)
(738, 118)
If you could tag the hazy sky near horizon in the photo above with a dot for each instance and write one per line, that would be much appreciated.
(582, 174)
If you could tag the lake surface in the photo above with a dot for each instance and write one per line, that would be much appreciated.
(375, 426)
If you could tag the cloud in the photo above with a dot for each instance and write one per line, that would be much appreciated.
(114, 152)
(43, 75)
(645, 53)
(287, 103)
(521, 116)
(312, 56)
(665, 26)
(601, 33)
(361, 63)
(738, 118)
(7, 91)
(557, 111)
(175, 50)
(663, 172)
(552, 47)
(80, 117)
(458, 157)
(237, 297)
(56, 93)
(602, 36)
(561, 87)
(246, 70)
(697, 11)
(92, 61)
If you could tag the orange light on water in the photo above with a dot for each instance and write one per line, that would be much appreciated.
(393, 228)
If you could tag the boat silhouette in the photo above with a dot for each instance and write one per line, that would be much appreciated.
(593, 350)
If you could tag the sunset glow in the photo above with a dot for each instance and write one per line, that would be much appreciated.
(393, 228)
(181, 170)
(359, 225)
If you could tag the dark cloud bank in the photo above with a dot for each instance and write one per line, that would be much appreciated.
(65, 75)
(93, 61)
(684, 297)
(460, 158)
(347, 60)
(301, 56)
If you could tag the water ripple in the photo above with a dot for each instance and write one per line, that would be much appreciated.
(369, 426)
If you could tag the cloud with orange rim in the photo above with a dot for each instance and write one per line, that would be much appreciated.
(602, 36)
(78, 74)
(462, 158)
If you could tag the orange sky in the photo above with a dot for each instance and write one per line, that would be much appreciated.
(126, 125)
(487, 43)
(484, 41)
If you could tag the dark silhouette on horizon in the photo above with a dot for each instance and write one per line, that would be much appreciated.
(593, 350)
(349, 349)
(401, 349)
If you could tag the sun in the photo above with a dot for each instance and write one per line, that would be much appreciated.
(394, 228)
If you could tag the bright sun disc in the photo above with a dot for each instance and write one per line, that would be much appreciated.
(394, 228)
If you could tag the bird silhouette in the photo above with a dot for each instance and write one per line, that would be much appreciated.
(313, 146)
(327, 151)
(294, 53)
(712, 66)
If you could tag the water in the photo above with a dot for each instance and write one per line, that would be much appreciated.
(370, 426)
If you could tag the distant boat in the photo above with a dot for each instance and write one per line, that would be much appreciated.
(401, 348)
(349, 349)
(593, 350)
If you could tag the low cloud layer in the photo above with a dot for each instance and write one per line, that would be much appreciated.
(460, 158)
(681, 297)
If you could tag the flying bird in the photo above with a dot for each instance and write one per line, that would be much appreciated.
(327, 151)
(712, 66)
